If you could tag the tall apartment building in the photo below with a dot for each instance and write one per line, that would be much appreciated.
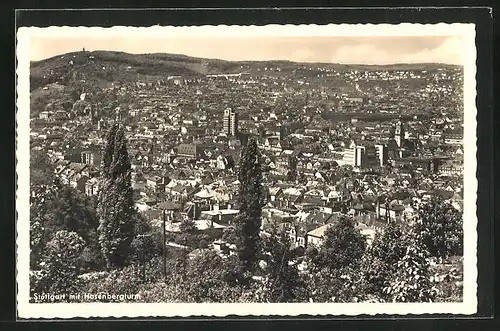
(230, 122)
(365, 156)
(371, 158)
(234, 124)
(382, 154)
(355, 155)
(360, 153)
(350, 154)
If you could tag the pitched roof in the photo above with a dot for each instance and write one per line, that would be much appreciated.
(168, 205)
(319, 232)
(274, 190)
(445, 194)
(204, 194)
(317, 217)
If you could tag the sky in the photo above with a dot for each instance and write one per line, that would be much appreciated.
(335, 49)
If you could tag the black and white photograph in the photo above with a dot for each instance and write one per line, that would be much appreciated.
(267, 170)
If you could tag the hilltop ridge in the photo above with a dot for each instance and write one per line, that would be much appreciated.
(101, 67)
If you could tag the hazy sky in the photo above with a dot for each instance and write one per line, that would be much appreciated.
(359, 50)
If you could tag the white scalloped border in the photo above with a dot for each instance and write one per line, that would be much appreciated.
(89, 310)
(284, 30)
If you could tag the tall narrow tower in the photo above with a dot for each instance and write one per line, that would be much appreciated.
(230, 122)
(227, 121)
(234, 124)
(399, 135)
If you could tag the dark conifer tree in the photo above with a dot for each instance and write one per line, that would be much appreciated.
(250, 200)
(109, 149)
(116, 205)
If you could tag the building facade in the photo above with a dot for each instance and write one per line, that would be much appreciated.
(364, 156)
(90, 157)
(190, 151)
(230, 122)
(382, 154)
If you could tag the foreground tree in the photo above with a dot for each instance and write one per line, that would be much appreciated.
(115, 203)
(335, 266)
(57, 207)
(411, 282)
(250, 197)
(381, 259)
(229, 235)
(441, 228)
(343, 246)
(41, 170)
(207, 278)
(60, 265)
(283, 282)
(188, 227)
(147, 243)
(339, 285)
(125, 281)
(43, 191)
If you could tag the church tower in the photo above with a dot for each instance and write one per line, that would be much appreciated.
(399, 134)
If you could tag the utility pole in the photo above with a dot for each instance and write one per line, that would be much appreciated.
(170, 207)
(143, 257)
(164, 246)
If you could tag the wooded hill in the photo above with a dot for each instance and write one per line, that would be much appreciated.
(101, 67)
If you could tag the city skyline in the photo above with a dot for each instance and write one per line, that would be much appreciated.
(365, 50)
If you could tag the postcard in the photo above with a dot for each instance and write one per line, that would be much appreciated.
(276, 170)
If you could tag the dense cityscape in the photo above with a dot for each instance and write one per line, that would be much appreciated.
(346, 162)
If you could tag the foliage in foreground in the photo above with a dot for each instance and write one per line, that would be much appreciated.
(60, 266)
(441, 228)
(404, 264)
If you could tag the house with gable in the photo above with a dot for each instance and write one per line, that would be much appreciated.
(92, 186)
(289, 197)
(274, 193)
(308, 221)
(272, 143)
(315, 197)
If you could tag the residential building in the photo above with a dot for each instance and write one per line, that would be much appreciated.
(91, 157)
(230, 122)
(382, 154)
